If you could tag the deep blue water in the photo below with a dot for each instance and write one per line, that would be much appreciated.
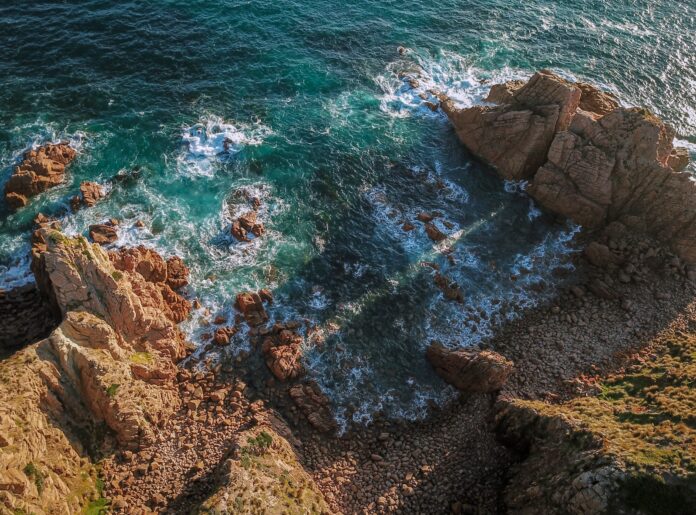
(335, 144)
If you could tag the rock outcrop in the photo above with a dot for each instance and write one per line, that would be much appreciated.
(40, 170)
(282, 349)
(264, 475)
(585, 157)
(109, 365)
(25, 317)
(314, 405)
(470, 371)
(628, 449)
(90, 194)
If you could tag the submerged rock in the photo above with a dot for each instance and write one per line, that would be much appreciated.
(470, 371)
(40, 170)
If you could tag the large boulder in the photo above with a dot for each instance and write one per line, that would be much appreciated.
(314, 405)
(470, 371)
(586, 157)
(282, 348)
(39, 170)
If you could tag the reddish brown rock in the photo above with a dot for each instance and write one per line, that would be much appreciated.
(239, 233)
(177, 273)
(449, 288)
(223, 334)
(596, 101)
(514, 137)
(503, 93)
(282, 349)
(103, 234)
(90, 194)
(250, 305)
(245, 224)
(314, 405)
(39, 170)
(425, 217)
(587, 158)
(470, 371)
(434, 233)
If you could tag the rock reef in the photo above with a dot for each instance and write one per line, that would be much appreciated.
(40, 170)
(585, 157)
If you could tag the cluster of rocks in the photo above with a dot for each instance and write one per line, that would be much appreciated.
(105, 233)
(585, 157)
(40, 170)
(431, 229)
(248, 223)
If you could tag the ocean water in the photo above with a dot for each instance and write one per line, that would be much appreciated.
(322, 128)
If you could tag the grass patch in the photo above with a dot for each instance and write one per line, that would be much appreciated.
(117, 275)
(34, 473)
(141, 358)
(111, 390)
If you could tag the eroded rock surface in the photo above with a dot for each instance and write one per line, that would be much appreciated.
(40, 170)
(110, 364)
(586, 158)
(470, 371)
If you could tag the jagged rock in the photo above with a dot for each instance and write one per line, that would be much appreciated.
(39, 170)
(250, 305)
(103, 234)
(586, 157)
(314, 405)
(282, 349)
(90, 194)
(245, 224)
(470, 371)
(502, 93)
(110, 362)
(678, 159)
(177, 273)
(596, 101)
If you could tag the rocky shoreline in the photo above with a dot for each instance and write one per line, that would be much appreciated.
(574, 407)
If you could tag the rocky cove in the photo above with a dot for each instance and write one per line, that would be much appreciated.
(583, 404)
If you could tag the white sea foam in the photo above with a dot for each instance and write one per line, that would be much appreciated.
(214, 137)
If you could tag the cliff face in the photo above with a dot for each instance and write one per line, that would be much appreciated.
(627, 449)
(110, 365)
(585, 157)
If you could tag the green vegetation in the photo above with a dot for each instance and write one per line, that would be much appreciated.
(117, 275)
(98, 507)
(646, 417)
(111, 390)
(34, 473)
(141, 358)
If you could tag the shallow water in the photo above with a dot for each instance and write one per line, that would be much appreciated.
(338, 148)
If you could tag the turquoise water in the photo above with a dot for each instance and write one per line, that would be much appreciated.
(334, 143)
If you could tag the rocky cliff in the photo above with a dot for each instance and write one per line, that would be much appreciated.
(585, 157)
(108, 371)
(627, 449)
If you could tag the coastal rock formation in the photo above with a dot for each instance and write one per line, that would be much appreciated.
(90, 194)
(39, 170)
(628, 450)
(109, 365)
(264, 476)
(314, 405)
(103, 234)
(585, 157)
(282, 349)
(470, 371)
(250, 305)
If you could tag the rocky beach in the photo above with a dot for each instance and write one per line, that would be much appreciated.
(569, 407)
(411, 267)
